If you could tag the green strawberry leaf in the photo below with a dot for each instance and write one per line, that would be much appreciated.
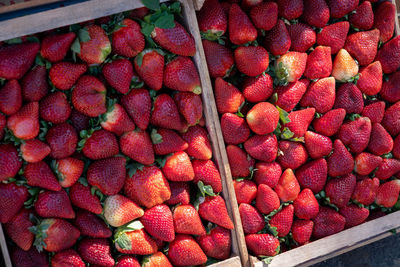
(160, 161)
(17, 40)
(211, 261)
(205, 189)
(139, 59)
(133, 167)
(387, 156)
(123, 242)
(83, 181)
(76, 46)
(283, 115)
(136, 82)
(83, 35)
(165, 22)
(151, 4)
(74, 27)
(266, 260)
(156, 138)
(175, 8)
(287, 134)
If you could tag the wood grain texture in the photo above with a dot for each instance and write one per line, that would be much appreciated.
(24, 5)
(198, 4)
(231, 262)
(4, 250)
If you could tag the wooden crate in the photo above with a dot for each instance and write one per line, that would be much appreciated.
(24, 5)
(83, 11)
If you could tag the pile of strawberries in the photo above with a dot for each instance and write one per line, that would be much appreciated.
(309, 97)
(104, 157)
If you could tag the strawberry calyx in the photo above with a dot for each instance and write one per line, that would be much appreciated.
(213, 35)
(39, 60)
(40, 232)
(325, 200)
(282, 74)
(156, 138)
(139, 58)
(9, 137)
(204, 190)
(34, 192)
(132, 167)
(83, 36)
(85, 135)
(96, 192)
(122, 239)
(54, 167)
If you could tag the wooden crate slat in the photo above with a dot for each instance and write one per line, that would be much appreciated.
(24, 5)
(198, 4)
(4, 249)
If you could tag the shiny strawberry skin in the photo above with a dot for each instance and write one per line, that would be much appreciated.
(100, 145)
(10, 97)
(62, 139)
(10, 161)
(88, 96)
(34, 84)
(55, 47)
(64, 75)
(55, 108)
(128, 41)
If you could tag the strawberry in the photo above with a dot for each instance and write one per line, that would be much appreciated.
(350, 98)
(34, 150)
(156, 259)
(290, 67)
(374, 111)
(388, 168)
(391, 119)
(10, 161)
(258, 89)
(119, 74)
(290, 9)
(135, 242)
(262, 147)
(390, 88)
(388, 193)
(363, 16)
(55, 108)
(247, 4)
(319, 63)
(241, 30)
(55, 47)
(79, 120)
(63, 75)
(365, 191)
(356, 134)
(313, 175)
(302, 37)
(178, 168)
(82, 197)
(62, 139)
(159, 223)
(132, 261)
(167, 141)
(340, 190)
(119, 210)
(180, 74)
(365, 163)
(3, 123)
(91, 225)
(25, 123)
(190, 106)
(68, 170)
(187, 220)
(207, 172)
(370, 82)
(17, 229)
(96, 47)
(267, 199)
(54, 235)
(354, 215)
(213, 209)
(344, 66)
(138, 106)
(88, 96)
(262, 244)
(212, 19)
(330, 122)
(363, 46)
(316, 13)
(380, 142)
(10, 97)
(264, 15)
(317, 145)
(334, 35)
(340, 162)
(96, 251)
(328, 222)
(396, 147)
(288, 187)
(240, 163)
(184, 251)
(100, 144)
(180, 193)
(234, 129)
(128, 41)
(147, 187)
(292, 154)
(290, 95)
(384, 21)
(302, 231)
(199, 144)
(277, 40)
(176, 40)
(54, 204)
(263, 118)
(149, 65)
(217, 243)
(389, 56)
(12, 199)
(245, 191)
(251, 60)
(228, 98)
(165, 113)
(283, 221)
(340, 8)
(34, 84)
(17, 59)
(219, 58)
(21, 257)
(116, 120)
(267, 173)
(39, 174)
(67, 257)
(300, 121)
(252, 220)
(306, 205)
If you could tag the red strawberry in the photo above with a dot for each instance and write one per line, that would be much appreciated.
(267, 200)
(81, 197)
(252, 220)
(3, 123)
(388, 168)
(302, 36)
(176, 40)
(79, 120)
(184, 251)
(119, 210)
(317, 145)
(180, 193)
(290, 67)
(306, 205)
(262, 147)
(290, 95)
(34, 84)
(328, 222)
(283, 220)
(64, 75)
(156, 259)
(340, 8)
(350, 98)
(89, 96)
(292, 154)
(258, 89)
(55, 47)
(370, 82)
(97, 47)
(263, 118)
(365, 163)
(180, 74)
(10, 161)
(213, 209)
(67, 257)
(39, 174)
(25, 123)
(245, 191)
(187, 220)
(190, 106)
(12, 198)
(246, 4)
(228, 98)
(165, 113)
(396, 147)
(17, 229)
(330, 122)
(149, 65)
(267, 173)
(340, 162)
(178, 168)
(91, 225)
(68, 170)
(380, 142)
(388, 193)
(138, 105)
(207, 172)
(340, 190)
(316, 13)
(363, 16)
(34, 150)
(10, 97)
(264, 15)
(234, 129)
(344, 66)
(96, 251)
(217, 243)
(212, 19)
(62, 139)
(240, 163)
(199, 144)
(389, 55)
(374, 111)
(17, 59)
(241, 30)
(251, 60)
(20, 257)
(390, 88)
(319, 63)
(131, 261)
(135, 242)
(219, 58)
(55, 108)
(100, 144)
(277, 40)
(365, 191)
(363, 46)
(356, 134)
(54, 204)
(300, 121)
(288, 187)
(290, 9)
(384, 21)
(354, 215)
(313, 175)
(119, 74)
(262, 244)
(159, 223)
(128, 41)
(391, 119)
(334, 35)
(302, 231)
(116, 120)
(167, 141)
